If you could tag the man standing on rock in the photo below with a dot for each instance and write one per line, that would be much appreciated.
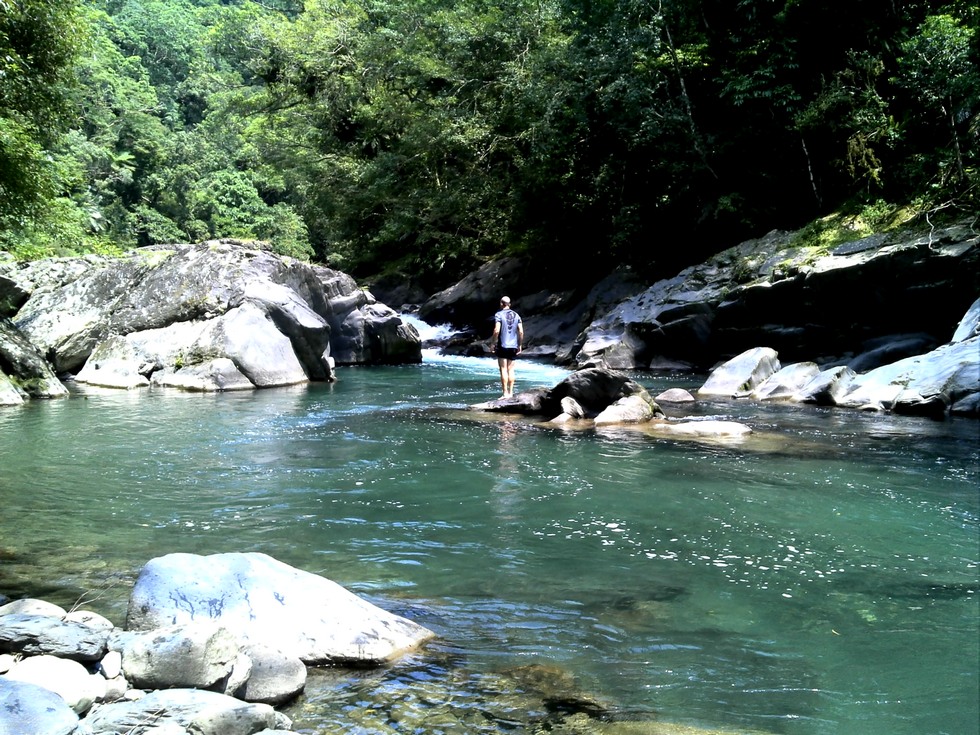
(506, 343)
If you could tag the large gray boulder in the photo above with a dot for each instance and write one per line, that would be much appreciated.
(596, 389)
(25, 366)
(266, 602)
(948, 378)
(768, 291)
(220, 315)
(375, 334)
(152, 289)
(601, 395)
(363, 330)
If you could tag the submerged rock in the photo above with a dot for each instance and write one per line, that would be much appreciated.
(700, 429)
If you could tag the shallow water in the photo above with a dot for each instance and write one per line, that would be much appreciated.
(819, 576)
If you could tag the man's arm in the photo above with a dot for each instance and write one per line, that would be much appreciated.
(496, 334)
(520, 336)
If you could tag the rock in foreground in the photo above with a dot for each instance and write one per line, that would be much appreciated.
(272, 604)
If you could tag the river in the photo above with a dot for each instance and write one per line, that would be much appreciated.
(817, 577)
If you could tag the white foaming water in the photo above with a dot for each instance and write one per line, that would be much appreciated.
(530, 372)
(428, 332)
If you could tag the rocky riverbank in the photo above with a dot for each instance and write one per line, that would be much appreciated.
(224, 645)
(881, 323)
(210, 645)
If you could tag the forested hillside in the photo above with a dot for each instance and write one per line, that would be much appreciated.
(425, 136)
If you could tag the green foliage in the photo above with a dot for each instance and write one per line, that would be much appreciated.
(940, 66)
(39, 40)
(852, 224)
(402, 120)
(426, 136)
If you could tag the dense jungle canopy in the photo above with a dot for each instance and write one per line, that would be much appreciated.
(425, 136)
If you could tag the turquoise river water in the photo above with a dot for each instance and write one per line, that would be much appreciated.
(819, 576)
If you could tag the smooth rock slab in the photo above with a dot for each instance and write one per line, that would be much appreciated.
(35, 635)
(742, 374)
(199, 712)
(786, 382)
(946, 375)
(268, 602)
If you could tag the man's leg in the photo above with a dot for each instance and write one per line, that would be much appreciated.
(502, 364)
(510, 377)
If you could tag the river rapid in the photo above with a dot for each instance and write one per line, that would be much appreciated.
(819, 576)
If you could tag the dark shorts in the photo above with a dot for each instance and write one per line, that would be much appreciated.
(506, 353)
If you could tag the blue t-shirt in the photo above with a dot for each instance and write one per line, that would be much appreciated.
(509, 321)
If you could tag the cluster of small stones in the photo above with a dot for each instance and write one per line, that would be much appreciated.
(60, 674)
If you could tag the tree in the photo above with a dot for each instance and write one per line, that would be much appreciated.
(939, 66)
(403, 125)
(39, 42)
